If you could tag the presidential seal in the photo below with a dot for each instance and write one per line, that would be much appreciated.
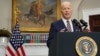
(86, 46)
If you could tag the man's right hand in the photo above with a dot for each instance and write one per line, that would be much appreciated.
(63, 30)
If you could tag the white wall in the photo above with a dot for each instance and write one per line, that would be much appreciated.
(5, 14)
(86, 5)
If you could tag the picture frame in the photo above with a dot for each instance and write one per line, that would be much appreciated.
(35, 15)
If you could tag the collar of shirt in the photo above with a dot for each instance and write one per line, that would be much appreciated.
(64, 20)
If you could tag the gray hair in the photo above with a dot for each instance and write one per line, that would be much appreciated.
(64, 1)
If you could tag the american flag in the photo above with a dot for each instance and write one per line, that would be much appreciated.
(15, 45)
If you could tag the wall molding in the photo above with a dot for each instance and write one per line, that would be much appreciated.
(88, 12)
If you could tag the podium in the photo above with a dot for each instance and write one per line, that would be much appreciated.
(64, 44)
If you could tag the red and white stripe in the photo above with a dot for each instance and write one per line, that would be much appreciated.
(10, 51)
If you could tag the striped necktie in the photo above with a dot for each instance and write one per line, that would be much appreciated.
(68, 26)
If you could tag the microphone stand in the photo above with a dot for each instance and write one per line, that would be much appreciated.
(85, 27)
(80, 28)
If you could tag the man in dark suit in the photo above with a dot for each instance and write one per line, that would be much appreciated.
(62, 25)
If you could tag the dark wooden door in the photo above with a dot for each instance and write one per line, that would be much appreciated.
(94, 21)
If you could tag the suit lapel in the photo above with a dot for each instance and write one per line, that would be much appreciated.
(61, 23)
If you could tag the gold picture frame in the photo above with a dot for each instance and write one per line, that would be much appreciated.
(35, 15)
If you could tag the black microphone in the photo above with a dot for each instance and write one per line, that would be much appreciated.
(83, 23)
(77, 24)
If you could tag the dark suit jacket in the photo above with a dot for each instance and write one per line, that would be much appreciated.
(56, 27)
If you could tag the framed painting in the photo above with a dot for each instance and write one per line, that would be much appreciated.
(35, 15)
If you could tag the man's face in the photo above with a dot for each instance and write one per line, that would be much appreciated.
(66, 10)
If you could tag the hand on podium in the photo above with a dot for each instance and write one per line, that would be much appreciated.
(63, 30)
(86, 30)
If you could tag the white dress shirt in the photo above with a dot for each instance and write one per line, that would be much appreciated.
(65, 23)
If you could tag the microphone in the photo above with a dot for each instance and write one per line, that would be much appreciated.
(83, 23)
(77, 24)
